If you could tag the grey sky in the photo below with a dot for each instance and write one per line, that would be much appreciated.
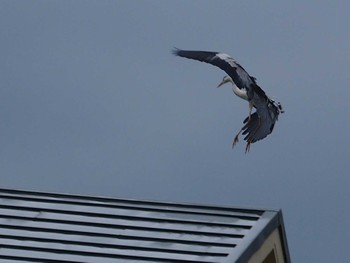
(93, 102)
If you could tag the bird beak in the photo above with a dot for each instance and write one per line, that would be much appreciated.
(221, 83)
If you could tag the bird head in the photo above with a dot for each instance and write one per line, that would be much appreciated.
(225, 80)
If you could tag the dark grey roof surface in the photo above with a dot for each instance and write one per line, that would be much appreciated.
(46, 227)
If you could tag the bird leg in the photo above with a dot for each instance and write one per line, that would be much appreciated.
(247, 148)
(250, 111)
(258, 126)
(235, 139)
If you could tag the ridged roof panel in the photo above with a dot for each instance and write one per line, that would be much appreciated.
(44, 227)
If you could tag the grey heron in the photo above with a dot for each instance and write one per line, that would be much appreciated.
(257, 125)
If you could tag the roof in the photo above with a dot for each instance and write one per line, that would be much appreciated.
(48, 227)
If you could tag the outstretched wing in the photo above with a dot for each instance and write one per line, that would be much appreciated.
(238, 74)
(261, 123)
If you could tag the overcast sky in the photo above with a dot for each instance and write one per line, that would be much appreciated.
(94, 103)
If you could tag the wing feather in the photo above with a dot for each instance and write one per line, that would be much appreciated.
(225, 62)
(261, 123)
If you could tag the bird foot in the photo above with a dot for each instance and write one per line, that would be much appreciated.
(235, 140)
(247, 148)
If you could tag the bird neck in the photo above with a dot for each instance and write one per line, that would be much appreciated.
(242, 93)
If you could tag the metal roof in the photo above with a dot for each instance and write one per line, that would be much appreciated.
(47, 227)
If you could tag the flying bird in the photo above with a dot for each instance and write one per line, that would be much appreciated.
(258, 124)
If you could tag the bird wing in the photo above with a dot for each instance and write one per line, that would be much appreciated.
(225, 62)
(261, 123)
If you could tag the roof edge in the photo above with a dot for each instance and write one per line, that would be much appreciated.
(268, 223)
(100, 198)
